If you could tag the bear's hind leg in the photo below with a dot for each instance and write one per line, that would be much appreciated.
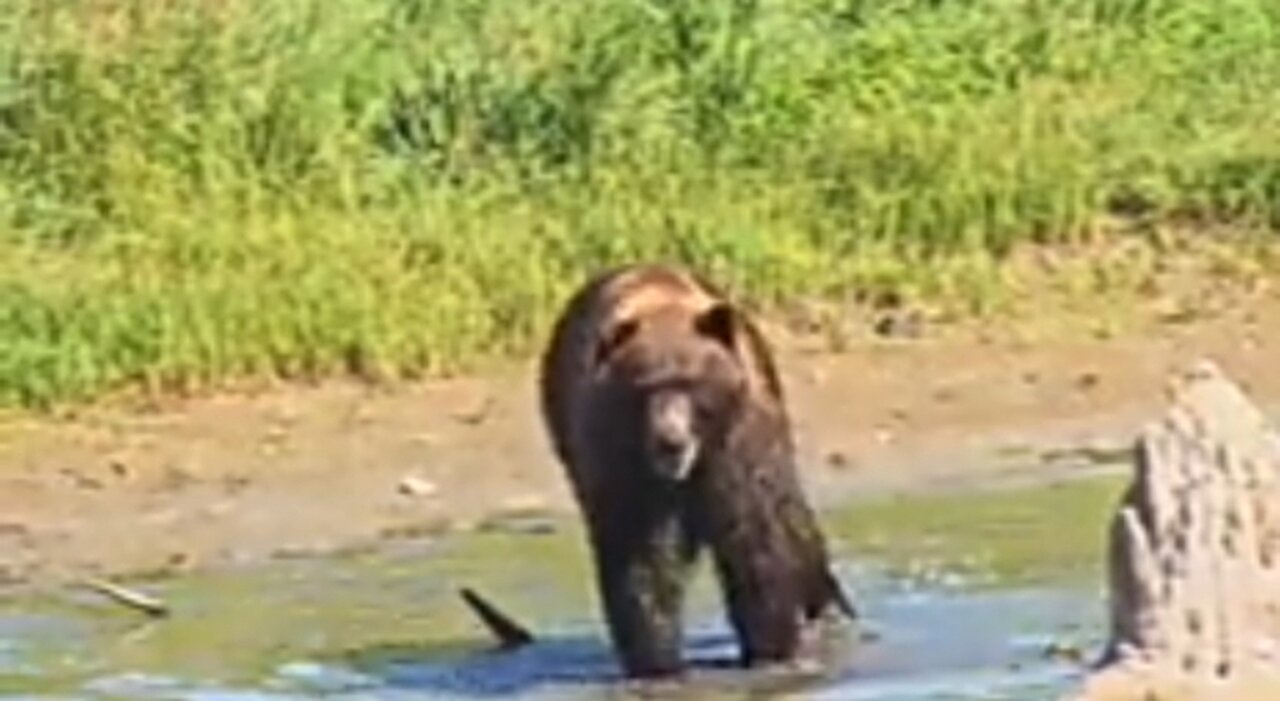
(763, 606)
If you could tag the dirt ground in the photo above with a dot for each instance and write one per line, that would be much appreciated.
(295, 470)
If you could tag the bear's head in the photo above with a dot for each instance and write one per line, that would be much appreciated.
(678, 379)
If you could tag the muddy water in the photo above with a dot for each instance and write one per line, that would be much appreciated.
(962, 594)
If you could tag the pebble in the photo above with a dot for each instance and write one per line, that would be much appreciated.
(1064, 651)
(518, 523)
(839, 460)
(477, 414)
(945, 393)
(907, 325)
(179, 474)
(424, 438)
(120, 468)
(218, 509)
(81, 480)
(233, 484)
(1087, 380)
(417, 487)
(14, 528)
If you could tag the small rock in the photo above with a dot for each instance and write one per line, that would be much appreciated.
(410, 531)
(17, 533)
(945, 393)
(81, 480)
(1063, 651)
(417, 487)
(899, 325)
(217, 509)
(296, 551)
(424, 438)
(120, 468)
(477, 414)
(1176, 311)
(523, 503)
(177, 476)
(886, 299)
(234, 484)
(518, 523)
(180, 561)
(1087, 380)
(839, 460)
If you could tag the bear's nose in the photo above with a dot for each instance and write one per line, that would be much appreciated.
(670, 445)
(672, 439)
(671, 420)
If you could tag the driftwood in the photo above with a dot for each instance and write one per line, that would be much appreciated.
(129, 598)
(1194, 578)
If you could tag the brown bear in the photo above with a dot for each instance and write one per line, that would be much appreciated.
(664, 405)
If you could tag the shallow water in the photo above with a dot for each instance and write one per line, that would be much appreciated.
(961, 593)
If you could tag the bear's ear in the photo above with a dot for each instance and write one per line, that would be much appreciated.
(720, 324)
(613, 338)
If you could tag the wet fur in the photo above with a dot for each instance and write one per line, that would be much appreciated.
(743, 499)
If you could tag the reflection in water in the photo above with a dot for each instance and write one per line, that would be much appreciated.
(388, 625)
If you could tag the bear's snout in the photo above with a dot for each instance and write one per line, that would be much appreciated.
(673, 440)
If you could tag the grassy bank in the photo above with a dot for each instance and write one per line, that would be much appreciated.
(197, 190)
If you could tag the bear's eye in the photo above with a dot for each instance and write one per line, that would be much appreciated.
(612, 339)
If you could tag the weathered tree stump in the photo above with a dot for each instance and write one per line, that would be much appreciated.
(1194, 577)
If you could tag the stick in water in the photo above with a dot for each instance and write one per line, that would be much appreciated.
(132, 599)
(510, 634)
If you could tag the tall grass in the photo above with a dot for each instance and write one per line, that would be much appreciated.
(192, 190)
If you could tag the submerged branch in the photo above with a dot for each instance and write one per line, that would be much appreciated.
(509, 633)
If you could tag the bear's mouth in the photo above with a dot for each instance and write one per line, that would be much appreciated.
(674, 461)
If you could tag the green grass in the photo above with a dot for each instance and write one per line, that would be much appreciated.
(998, 535)
(210, 189)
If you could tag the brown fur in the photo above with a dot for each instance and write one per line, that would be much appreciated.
(625, 333)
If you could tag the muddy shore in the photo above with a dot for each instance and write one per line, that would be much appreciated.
(314, 469)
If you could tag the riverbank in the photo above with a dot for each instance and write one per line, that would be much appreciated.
(291, 469)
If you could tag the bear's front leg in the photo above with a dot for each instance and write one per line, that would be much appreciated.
(642, 573)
